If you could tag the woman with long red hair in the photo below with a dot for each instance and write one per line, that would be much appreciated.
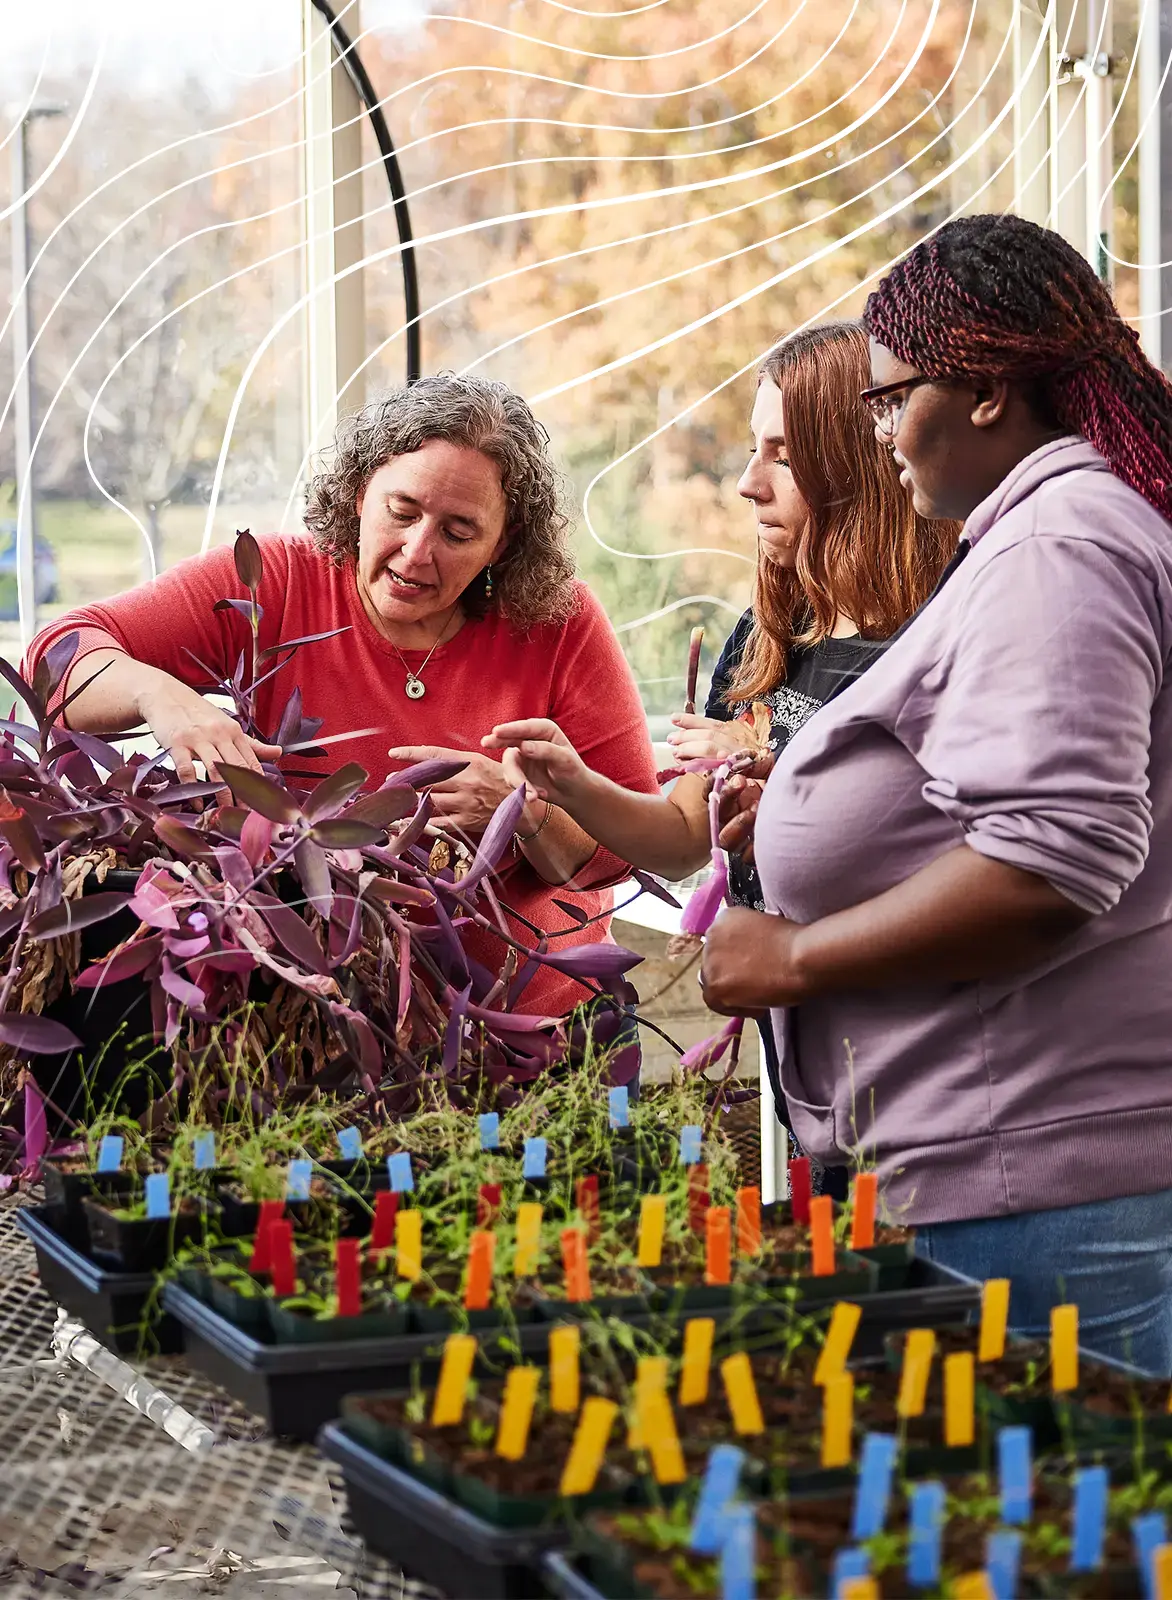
(843, 562)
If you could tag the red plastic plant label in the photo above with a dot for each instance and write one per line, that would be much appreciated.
(488, 1204)
(698, 1197)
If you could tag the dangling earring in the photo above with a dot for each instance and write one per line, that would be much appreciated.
(488, 583)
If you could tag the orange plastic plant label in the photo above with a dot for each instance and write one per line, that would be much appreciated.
(575, 1264)
(748, 1220)
(718, 1245)
(822, 1236)
(478, 1286)
(866, 1194)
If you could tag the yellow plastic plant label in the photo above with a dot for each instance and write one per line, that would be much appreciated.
(650, 1378)
(913, 1379)
(589, 1445)
(652, 1222)
(517, 1412)
(527, 1257)
(865, 1588)
(838, 1408)
(1162, 1572)
(958, 1399)
(1064, 1348)
(409, 1244)
(973, 1586)
(844, 1321)
(661, 1441)
(564, 1346)
(741, 1393)
(994, 1319)
(697, 1361)
(452, 1387)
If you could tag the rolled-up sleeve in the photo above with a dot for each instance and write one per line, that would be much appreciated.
(1035, 725)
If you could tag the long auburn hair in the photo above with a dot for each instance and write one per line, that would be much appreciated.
(864, 551)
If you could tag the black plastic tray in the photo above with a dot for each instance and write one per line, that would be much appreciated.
(933, 1297)
(430, 1537)
(298, 1387)
(112, 1305)
(564, 1578)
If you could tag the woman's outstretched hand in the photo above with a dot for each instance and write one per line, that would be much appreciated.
(538, 754)
(193, 729)
(739, 800)
(707, 738)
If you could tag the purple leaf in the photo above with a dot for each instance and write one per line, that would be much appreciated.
(496, 838)
(332, 793)
(278, 805)
(126, 962)
(230, 960)
(341, 833)
(425, 773)
(25, 690)
(234, 865)
(651, 885)
(20, 834)
(369, 1053)
(400, 894)
(184, 841)
(244, 607)
(571, 910)
(71, 915)
(187, 994)
(256, 836)
(415, 829)
(624, 1067)
(152, 906)
(99, 752)
(187, 949)
(314, 872)
(344, 940)
(384, 806)
(705, 902)
(36, 1134)
(77, 768)
(36, 1036)
(295, 644)
(292, 931)
(56, 662)
(247, 557)
(709, 1051)
(290, 723)
(603, 960)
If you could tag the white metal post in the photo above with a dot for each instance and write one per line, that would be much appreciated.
(335, 334)
(1155, 210)
(26, 529)
(1031, 113)
(774, 1138)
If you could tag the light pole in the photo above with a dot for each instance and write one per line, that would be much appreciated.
(22, 338)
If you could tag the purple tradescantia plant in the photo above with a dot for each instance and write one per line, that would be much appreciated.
(316, 906)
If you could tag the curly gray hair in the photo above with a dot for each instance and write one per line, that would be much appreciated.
(533, 579)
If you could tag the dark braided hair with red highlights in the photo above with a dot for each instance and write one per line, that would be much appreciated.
(997, 297)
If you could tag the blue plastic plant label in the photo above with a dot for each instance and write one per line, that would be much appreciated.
(1002, 1559)
(1089, 1518)
(1148, 1533)
(157, 1193)
(926, 1534)
(721, 1477)
(350, 1144)
(297, 1180)
(618, 1101)
(204, 1151)
(876, 1466)
(399, 1170)
(1016, 1473)
(691, 1139)
(490, 1130)
(848, 1564)
(534, 1158)
(110, 1153)
(738, 1554)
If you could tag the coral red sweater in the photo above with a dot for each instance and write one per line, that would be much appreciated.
(573, 672)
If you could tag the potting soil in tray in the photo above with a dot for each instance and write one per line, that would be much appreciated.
(121, 1309)
(297, 1387)
(429, 1536)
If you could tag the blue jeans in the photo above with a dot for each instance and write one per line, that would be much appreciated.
(1112, 1258)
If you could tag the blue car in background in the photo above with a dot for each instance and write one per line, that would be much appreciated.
(44, 572)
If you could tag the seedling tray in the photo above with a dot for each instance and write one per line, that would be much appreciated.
(298, 1387)
(933, 1296)
(112, 1305)
(567, 1576)
(430, 1537)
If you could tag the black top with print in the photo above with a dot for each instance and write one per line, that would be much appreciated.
(816, 673)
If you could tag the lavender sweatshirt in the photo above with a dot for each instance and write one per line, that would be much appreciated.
(1024, 713)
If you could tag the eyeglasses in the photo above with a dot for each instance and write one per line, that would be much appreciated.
(887, 400)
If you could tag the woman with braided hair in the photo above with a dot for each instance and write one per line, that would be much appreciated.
(967, 857)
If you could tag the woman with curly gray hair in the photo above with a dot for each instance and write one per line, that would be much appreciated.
(437, 566)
